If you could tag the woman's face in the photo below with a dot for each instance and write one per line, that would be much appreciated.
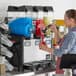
(67, 21)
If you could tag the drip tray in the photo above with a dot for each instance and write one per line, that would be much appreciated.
(40, 66)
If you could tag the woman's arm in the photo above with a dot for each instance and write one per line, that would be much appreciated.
(44, 47)
(66, 47)
(55, 30)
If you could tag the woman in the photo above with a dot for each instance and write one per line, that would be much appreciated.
(69, 42)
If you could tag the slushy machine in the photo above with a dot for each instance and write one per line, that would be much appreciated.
(27, 27)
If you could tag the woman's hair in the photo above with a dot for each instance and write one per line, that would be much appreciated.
(71, 13)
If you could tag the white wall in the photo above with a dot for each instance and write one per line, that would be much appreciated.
(3, 7)
(74, 4)
(59, 5)
(4, 3)
(31, 2)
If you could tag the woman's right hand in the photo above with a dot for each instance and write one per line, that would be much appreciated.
(43, 46)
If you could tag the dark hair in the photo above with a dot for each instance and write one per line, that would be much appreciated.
(71, 13)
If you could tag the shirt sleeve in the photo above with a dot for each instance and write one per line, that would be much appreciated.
(66, 46)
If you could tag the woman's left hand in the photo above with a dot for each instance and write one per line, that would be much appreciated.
(53, 28)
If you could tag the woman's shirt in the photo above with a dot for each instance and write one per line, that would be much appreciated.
(68, 45)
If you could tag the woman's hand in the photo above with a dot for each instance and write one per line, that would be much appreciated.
(56, 32)
(53, 27)
(43, 46)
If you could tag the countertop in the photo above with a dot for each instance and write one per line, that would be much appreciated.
(23, 74)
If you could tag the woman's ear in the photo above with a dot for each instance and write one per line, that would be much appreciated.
(72, 20)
